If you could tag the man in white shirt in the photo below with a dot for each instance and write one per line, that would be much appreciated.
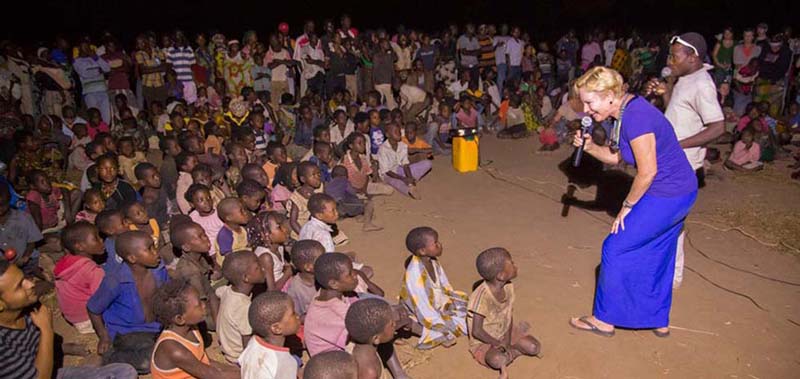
(468, 49)
(513, 50)
(692, 109)
(278, 60)
(500, 54)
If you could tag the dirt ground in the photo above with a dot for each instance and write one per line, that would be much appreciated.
(736, 317)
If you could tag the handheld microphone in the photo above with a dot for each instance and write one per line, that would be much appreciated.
(666, 72)
(586, 123)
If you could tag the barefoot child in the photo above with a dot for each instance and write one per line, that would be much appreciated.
(495, 341)
(77, 275)
(302, 288)
(370, 322)
(395, 168)
(179, 351)
(428, 295)
(121, 309)
(347, 201)
(242, 271)
(267, 233)
(273, 318)
(233, 234)
(192, 241)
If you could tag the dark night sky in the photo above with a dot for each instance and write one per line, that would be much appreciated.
(40, 20)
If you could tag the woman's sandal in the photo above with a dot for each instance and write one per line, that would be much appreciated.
(592, 327)
(661, 334)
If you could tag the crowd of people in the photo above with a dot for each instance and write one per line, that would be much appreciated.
(173, 188)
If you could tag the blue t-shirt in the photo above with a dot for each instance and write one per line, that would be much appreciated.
(376, 139)
(118, 301)
(675, 176)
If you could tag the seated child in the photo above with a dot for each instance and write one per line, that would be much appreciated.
(325, 328)
(138, 219)
(285, 183)
(93, 203)
(301, 287)
(360, 173)
(154, 194)
(233, 234)
(273, 318)
(237, 158)
(428, 295)
(27, 336)
(111, 223)
(321, 134)
(179, 350)
(205, 214)
(438, 135)
(276, 156)
(395, 168)
(348, 203)
(418, 149)
(129, 158)
(202, 174)
(191, 240)
(494, 340)
(185, 163)
(267, 233)
(252, 194)
(323, 212)
(311, 182)
(77, 275)
(369, 322)
(746, 152)
(242, 271)
(331, 365)
(323, 158)
(45, 202)
(515, 120)
(117, 192)
(121, 309)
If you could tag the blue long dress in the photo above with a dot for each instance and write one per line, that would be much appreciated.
(634, 288)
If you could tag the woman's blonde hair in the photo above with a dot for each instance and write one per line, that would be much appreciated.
(600, 79)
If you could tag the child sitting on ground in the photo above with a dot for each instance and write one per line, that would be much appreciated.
(418, 149)
(325, 328)
(129, 158)
(348, 203)
(301, 287)
(191, 240)
(77, 275)
(45, 203)
(204, 213)
(323, 158)
(310, 177)
(428, 295)
(267, 233)
(495, 341)
(154, 194)
(746, 152)
(369, 322)
(185, 162)
(331, 365)
(273, 318)
(242, 271)
(233, 234)
(111, 223)
(121, 309)
(93, 204)
(138, 219)
(395, 168)
(285, 183)
(202, 174)
(276, 156)
(180, 349)
(252, 194)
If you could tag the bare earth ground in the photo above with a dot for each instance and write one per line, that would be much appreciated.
(716, 333)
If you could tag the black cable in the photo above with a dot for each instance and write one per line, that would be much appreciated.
(725, 289)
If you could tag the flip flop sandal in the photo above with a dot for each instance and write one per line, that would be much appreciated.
(592, 327)
(661, 334)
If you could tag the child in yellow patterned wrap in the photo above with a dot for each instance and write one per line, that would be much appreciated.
(439, 309)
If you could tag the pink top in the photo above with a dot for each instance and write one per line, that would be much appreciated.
(468, 119)
(77, 278)
(211, 224)
(101, 127)
(745, 121)
(278, 197)
(324, 325)
(589, 51)
(358, 177)
(85, 215)
(49, 207)
(741, 155)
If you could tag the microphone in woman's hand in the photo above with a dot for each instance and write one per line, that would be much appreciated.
(586, 123)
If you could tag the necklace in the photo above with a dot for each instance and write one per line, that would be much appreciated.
(615, 132)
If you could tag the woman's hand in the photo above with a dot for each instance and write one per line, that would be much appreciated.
(583, 139)
(619, 222)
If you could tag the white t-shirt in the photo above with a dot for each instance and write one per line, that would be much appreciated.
(411, 95)
(312, 52)
(609, 47)
(692, 106)
(277, 261)
(318, 231)
(261, 360)
(500, 49)
(514, 50)
(389, 159)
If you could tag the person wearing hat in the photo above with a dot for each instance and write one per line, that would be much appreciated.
(692, 109)
(773, 64)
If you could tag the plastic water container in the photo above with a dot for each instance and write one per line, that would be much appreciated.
(465, 153)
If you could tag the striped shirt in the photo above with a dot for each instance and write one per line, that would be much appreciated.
(18, 349)
(181, 59)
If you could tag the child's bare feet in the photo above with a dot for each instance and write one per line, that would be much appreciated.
(370, 227)
(414, 192)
